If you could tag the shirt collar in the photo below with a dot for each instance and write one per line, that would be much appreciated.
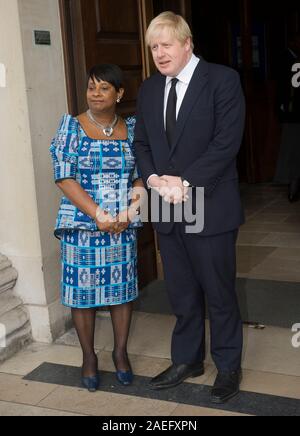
(186, 74)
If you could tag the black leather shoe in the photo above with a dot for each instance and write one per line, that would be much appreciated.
(294, 190)
(227, 386)
(175, 375)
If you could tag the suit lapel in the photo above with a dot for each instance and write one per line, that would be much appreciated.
(198, 82)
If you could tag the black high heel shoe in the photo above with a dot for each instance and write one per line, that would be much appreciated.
(125, 378)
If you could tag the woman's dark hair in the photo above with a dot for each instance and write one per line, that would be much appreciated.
(107, 73)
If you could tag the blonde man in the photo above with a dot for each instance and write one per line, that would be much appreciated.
(190, 123)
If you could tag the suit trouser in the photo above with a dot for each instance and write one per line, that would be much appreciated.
(196, 267)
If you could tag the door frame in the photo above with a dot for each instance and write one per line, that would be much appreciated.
(76, 74)
(73, 43)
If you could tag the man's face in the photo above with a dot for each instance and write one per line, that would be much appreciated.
(170, 55)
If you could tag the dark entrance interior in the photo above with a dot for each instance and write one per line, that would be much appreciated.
(250, 36)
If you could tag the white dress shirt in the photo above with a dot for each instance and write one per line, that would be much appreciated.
(184, 78)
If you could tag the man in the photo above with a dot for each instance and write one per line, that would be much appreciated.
(288, 167)
(189, 128)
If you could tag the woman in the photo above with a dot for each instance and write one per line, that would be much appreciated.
(94, 166)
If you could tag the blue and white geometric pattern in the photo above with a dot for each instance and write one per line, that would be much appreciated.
(96, 270)
(105, 169)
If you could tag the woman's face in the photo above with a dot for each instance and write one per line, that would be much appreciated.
(102, 96)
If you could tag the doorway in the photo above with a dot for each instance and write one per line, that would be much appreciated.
(94, 32)
(250, 36)
(246, 35)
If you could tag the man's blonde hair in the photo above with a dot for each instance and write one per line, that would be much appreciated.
(175, 23)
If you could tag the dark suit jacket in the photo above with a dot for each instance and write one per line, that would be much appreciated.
(209, 132)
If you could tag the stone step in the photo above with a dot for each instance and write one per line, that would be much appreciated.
(4, 262)
(14, 320)
(8, 275)
(15, 328)
(9, 302)
(15, 342)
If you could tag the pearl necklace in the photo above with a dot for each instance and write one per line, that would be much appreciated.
(107, 130)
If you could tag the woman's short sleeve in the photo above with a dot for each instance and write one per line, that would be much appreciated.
(64, 149)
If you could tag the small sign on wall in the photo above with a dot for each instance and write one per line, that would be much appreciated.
(42, 37)
(2, 76)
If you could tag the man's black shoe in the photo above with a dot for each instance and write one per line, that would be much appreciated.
(227, 386)
(175, 375)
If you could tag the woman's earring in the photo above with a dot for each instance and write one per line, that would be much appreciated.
(118, 101)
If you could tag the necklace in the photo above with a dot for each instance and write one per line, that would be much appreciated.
(107, 130)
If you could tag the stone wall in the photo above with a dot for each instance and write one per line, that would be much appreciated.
(32, 100)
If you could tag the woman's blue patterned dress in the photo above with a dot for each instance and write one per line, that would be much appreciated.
(98, 269)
